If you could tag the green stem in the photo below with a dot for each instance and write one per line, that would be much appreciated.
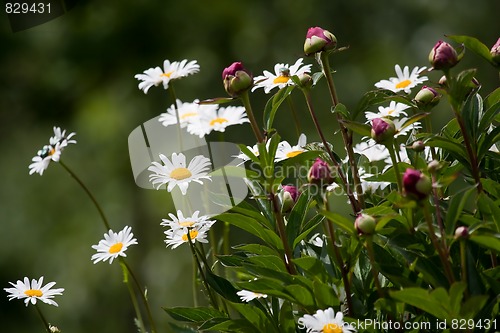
(143, 296)
(346, 134)
(281, 232)
(371, 256)
(133, 298)
(395, 166)
(42, 318)
(352, 200)
(463, 260)
(428, 125)
(248, 107)
(294, 115)
(441, 252)
(89, 194)
(340, 262)
(200, 269)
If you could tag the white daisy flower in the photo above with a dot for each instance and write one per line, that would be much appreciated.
(371, 150)
(60, 136)
(217, 120)
(193, 221)
(244, 157)
(317, 240)
(398, 123)
(394, 110)
(188, 112)
(175, 172)
(247, 295)
(368, 185)
(325, 321)
(113, 245)
(405, 80)
(176, 237)
(171, 71)
(282, 76)
(33, 291)
(285, 150)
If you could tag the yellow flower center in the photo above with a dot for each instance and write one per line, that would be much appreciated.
(403, 84)
(167, 74)
(188, 114)
(115, 248)
(52, 152)
(281, 79)
(192, 235)
(218, 120)
(332, 328)
(390, 111)
(294, 153)
(33, 293)
(186, 223)
(180, 173)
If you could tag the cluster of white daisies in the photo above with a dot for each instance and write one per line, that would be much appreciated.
(51, 152)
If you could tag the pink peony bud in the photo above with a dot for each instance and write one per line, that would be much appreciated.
(383, 129)
(427, 97)
(318, 39)
(416, 184)
(236, 79)
(495, 52)
(443, 56)
(288, 197)
(461, 233)
(319, 173)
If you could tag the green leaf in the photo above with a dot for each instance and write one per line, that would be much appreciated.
(369, 99)
(489, 139)
(455, 208)
(489, 241)
(286, 318)
(313, 268)
(340, 221)
(475, 46)
(490, 209)
(296, 218)
(488, 116)
(194, 315)
(256, 249)
(471, 113)
(453, 147)
(260, 197)
(360, 128)
(232, 325)
(414, 119)
(269, 261)
(423, 300)
(342, 110)
(325, 296)
(308, 228)
(256, 317)
(249, 153)
(301, 294)
(222, 286)
(273, 104)
(252, 226)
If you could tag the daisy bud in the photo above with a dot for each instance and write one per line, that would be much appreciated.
(319, 173)
(383, 129)
(427, 98)
(443, 56)
(495, 52)
(288, 197)
(416, 184)
(236, 79)
(365, 224)
(418, 146)
(318, 39)
(461, 233)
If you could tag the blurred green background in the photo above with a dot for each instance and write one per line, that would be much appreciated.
(77, 72)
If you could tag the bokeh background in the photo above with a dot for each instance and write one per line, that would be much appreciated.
(77, 72)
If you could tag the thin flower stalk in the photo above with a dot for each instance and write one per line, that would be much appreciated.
(441, 252)
(352, 200)
(294, 115)
(346, 134)
(133, 298)
(253, 122)
(89, 194)
(395, 166)
(280, 223)
(371, 257)
(42, 318)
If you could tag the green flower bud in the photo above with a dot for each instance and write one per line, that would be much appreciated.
(427, 98)
(318, 40)
(236, 79)
(433, 166)
(365, 224)
(383, 130)
(443, 56)
(418, 146)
